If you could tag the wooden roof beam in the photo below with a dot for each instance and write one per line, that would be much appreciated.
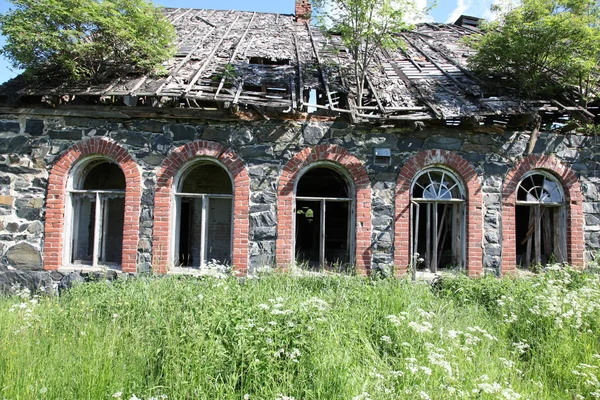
(235, 51)
(198, 73)
(322, 73)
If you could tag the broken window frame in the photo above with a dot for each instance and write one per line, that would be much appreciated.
(73, 207)
(178, 196)
(432, 254)
(538, 204)
(323, 213)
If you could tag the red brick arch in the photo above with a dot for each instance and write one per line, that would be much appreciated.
(162, 201)
(573, 199)
(55, 203)
(285, 203)
(474, 212)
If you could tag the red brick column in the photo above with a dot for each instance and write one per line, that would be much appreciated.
(285, 203)
(474, 207)
(573, 200)
(161, 257)
(55, 202)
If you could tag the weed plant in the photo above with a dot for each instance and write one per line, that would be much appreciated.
(279, 337)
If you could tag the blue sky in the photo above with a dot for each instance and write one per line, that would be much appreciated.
(445, 11)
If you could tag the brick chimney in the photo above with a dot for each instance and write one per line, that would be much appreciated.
(303, 10)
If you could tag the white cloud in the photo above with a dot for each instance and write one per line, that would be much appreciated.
(419, 13)
(502, 5)
(461, 7)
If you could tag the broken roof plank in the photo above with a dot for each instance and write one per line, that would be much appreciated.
(210, 56)
(322, 73)
(234, 53)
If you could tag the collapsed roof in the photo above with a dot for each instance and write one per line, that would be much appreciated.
(235, 60)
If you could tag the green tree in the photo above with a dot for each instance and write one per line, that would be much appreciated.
(86, 40)
(540, 45)
(364, 26)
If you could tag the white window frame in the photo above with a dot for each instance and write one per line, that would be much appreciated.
(560, 212)
(416, 203)
(176, 197)
(71, 231)
(351, 245)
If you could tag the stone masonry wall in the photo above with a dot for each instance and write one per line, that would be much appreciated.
(30, 146)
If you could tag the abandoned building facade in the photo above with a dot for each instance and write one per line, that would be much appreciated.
(251, 152)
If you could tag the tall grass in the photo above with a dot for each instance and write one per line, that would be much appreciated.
(306, 338)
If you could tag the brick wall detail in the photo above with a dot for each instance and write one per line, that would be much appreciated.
(55, 204)
(285, 204)
(474, 207)
(573, 199)
(163, 201)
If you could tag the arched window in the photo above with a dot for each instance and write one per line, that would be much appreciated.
(540, 220)
(204, 202)
(97, 207)
(323, 214)
(438, 220)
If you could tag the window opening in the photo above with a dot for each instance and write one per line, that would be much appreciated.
(438, 221)
(204, 203)
(540, 220)
(98, 204)
(323, 214)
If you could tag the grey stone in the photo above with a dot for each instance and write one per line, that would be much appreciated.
(313, 134)
(4, 180)
(153, 159)
(183, 132)
(97, 276)
(35, 227)
(135, 139)
(24, 257)
(491, 237)
(70, 280)
(263, 219)
(9, 126)
(65, 134)
(12, 227)
(9, 143)
(17, 170)
(40, 182)
(29, 208)
(56, 276)
(592, 220)
(34, 281)
(216, 133)
(264, 198)
(149, 126)
(493, 250)
(258, 208)
(264, 233)
(241, 137)
(568, 155)
(409, 144)
(443, 142)
(492, 262)
(34, 127)
(257, 151)
(495, 168)
(161, 143)
(382, 222)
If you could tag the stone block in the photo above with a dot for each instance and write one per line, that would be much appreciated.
(443, 142)
(34, 281)
(24, 257)
(76, 134)
(34, 127)
(9, 143)
(149, 126)
(183, 132)
(6, 201)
